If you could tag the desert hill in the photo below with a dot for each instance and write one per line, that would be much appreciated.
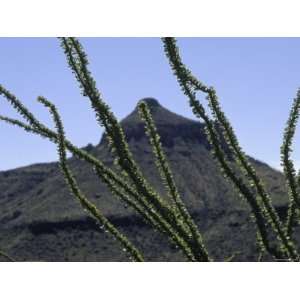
(40, 220)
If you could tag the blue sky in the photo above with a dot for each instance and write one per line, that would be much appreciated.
(256, 80)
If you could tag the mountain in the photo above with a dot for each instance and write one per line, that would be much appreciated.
(41, 221)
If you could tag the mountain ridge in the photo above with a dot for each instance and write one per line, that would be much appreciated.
(37, 195)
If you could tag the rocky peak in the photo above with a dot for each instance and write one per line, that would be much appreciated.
(151, 102)
(170, 126)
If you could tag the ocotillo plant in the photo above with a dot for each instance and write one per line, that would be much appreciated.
(168, 214)
(260, 202)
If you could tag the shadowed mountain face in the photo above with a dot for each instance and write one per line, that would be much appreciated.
(40, 220)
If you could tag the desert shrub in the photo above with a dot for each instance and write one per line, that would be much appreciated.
(169, 215)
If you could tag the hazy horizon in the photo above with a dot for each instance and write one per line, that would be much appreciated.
(256, 80)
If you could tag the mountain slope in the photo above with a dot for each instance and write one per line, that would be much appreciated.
(40, 220)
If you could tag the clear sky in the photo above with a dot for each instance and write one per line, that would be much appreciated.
(256, 80)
